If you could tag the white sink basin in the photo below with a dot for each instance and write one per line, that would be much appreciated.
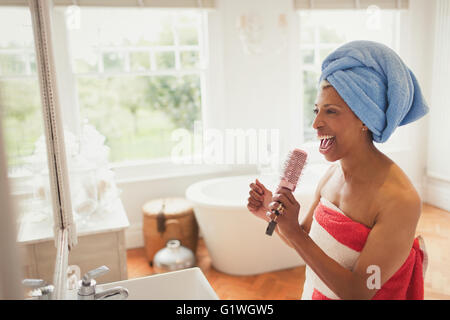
(187, 284)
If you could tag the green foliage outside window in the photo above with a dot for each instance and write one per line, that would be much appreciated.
(22, 118)
(138, 114)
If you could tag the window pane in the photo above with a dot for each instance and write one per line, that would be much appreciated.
(187, 28)
(33, 63)
(330, 35)
(310, 79)
(164, 35)
(23, 129)
(86, 62)
(307, 56)
(22, 119)
(139, 118)
(188, 35)
(189, 59)
(140, 61)
(113, 61)
(165, 60)
(307, 29)
(148, 96)
(12, 64)
(323, 53)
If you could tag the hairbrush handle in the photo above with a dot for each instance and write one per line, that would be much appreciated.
(286, 184)
(293, 167)
(271, 227)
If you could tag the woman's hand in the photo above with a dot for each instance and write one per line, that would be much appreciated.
(258, 202)
(288, 220)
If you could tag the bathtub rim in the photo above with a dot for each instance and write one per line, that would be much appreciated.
(196, 189)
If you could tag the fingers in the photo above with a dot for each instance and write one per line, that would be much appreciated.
(287, 194)
(257, 188)
(271, 215)
(254, 202)
(275, 209)
(256, 196)
(252, 208)
(281, 198)
(259, 184)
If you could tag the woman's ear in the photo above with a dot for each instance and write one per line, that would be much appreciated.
(364, 128)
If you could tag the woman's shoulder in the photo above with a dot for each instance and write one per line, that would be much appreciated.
(398, 183)
(398, 191)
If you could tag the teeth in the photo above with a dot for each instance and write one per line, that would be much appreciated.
(325, 137)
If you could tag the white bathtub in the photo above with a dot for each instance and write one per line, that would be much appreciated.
(236, 239)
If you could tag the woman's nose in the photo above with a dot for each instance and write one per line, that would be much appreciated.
(317, 121)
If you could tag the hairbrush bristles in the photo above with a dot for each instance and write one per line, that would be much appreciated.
(293, 167)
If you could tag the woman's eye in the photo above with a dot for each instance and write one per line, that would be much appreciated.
(316, 111)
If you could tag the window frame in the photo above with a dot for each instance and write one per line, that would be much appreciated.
(144, 169)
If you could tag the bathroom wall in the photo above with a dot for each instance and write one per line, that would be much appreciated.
(438, 170)
(261, 92)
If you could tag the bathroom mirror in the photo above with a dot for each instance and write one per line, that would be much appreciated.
(25, 143)
(34, 140)
(83, 77)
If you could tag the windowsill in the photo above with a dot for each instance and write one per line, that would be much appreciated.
(163, 169)
(137, 171)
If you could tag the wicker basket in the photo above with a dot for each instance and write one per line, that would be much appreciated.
(166, 219)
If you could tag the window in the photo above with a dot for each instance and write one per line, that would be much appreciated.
(322, 31)
(22, 119)
(19, 88)
(139, 75)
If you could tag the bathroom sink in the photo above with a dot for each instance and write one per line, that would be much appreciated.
(187, 284)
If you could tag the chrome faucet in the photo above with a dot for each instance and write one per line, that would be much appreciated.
(40, 289)
(87, 287)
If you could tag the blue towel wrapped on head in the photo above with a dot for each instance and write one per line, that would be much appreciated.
(376, 84)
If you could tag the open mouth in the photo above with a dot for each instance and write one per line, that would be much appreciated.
(326, 144)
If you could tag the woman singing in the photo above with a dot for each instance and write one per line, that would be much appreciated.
(358, 239)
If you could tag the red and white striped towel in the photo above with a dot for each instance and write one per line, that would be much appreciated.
(343, 239)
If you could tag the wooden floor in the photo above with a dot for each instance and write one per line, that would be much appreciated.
(434, 226)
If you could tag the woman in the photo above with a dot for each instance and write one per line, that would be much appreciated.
(358, 238)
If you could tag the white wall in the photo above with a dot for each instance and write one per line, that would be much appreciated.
(257, 90)
(248, 91)
(438, 169)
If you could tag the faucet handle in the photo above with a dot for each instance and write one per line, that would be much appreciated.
(40, 289)
(34, 283)
(90, 275)
(87, 285)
